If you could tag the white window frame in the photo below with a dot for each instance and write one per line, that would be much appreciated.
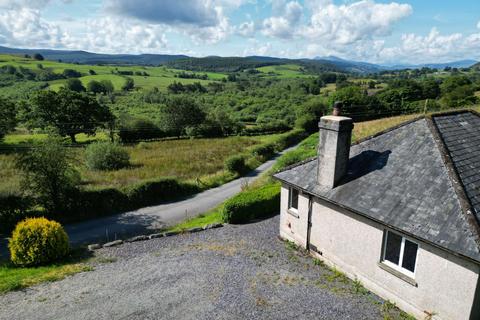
(290, 192)
(399, 267)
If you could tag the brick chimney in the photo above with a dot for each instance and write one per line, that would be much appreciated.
(333, 147)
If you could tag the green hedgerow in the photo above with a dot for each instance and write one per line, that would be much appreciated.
(38, 241)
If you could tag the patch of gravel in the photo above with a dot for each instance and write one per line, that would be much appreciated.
(234, 272)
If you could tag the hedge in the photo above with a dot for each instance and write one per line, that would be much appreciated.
(13, 209)
(252, 204)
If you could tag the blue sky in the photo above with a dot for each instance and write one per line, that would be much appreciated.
(368, 30)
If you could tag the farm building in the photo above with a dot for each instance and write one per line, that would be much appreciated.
(398, 211)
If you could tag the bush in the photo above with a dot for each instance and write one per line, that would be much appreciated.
(264, 151)
(38, 241)
(139, 129)
(12, 210)
(252, 204)
(236, 164)
(106, 156)
(155, 191)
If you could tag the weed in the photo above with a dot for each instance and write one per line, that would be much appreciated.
(359, 288)
(318, 262)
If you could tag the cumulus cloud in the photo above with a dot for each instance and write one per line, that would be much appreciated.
(433, 47)
(348, 23)
(284, 25)
(246, 29)
(195, 12)
(25, 27)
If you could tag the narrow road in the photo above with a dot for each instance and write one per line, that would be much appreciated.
(149, 219)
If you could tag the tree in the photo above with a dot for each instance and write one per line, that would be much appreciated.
(70, 73)
(128, 85)
(452, 82)
(69, 112)
(180, 113)
(8, 114)
(107, 86)
(95, 86)
(48, 174)
(75, 84)
(38, 56)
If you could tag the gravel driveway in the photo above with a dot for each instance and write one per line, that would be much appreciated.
(235, 272)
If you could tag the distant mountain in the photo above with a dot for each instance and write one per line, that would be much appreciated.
(356, 66)
(96, 58)
(351, 66)
(225, 64)
(453, 64)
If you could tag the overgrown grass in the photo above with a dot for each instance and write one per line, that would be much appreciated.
(210, 217)
(15, 278)
(197, 160)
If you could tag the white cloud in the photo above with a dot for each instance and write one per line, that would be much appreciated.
(246, 29)
(25, 27)
(283, 26)
(348, 23)
(433, 47)
(258, 49)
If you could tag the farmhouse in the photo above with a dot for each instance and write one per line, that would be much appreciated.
(398, 211)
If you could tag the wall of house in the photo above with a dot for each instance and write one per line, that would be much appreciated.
(446, 285)
(293, 226)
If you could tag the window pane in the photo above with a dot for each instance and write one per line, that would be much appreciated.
(294, 199)
(409, 256)
(392, 247)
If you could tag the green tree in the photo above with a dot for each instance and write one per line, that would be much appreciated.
(8, 114)
(38, 56)
(107, 86)
(128, 85)
(75, 84)
(69, 112)
(48, 174)
(95, 86)
(180, 113)
(452, 82)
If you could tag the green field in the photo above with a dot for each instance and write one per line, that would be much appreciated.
(284, 71)
(159, 77)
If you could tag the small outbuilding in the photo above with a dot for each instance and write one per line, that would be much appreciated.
(398, 211)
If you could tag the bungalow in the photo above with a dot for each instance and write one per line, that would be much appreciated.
(398, 211)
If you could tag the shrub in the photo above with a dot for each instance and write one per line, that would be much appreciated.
(38, 241)
(264, 151)
(106, 156)
(236, 164)
(252, 204)
(307, 122)
(12, 210)
(139, 129)
(48, 174)
(155, 191)
(289, 138)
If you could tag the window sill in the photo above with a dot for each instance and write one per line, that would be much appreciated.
(398, 274)
(293, 213)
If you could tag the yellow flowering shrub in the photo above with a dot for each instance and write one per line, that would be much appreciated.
(38, 241)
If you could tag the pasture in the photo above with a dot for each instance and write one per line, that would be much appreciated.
(158, 76)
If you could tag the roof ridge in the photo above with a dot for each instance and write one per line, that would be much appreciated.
(458, 186)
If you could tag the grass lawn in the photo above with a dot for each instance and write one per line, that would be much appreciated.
(14, 278)
(284, 71)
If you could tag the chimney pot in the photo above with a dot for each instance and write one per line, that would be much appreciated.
(337, 108)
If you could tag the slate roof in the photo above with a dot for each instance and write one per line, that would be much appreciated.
(401, 179)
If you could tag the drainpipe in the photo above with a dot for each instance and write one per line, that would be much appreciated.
(309, 221)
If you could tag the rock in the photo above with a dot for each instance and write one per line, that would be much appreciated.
(113, 243)
(94, 246)
(156, 235)
(138, 238)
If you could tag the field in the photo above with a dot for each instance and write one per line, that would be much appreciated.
(284, 71)
(188, 159)
(159, 77)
